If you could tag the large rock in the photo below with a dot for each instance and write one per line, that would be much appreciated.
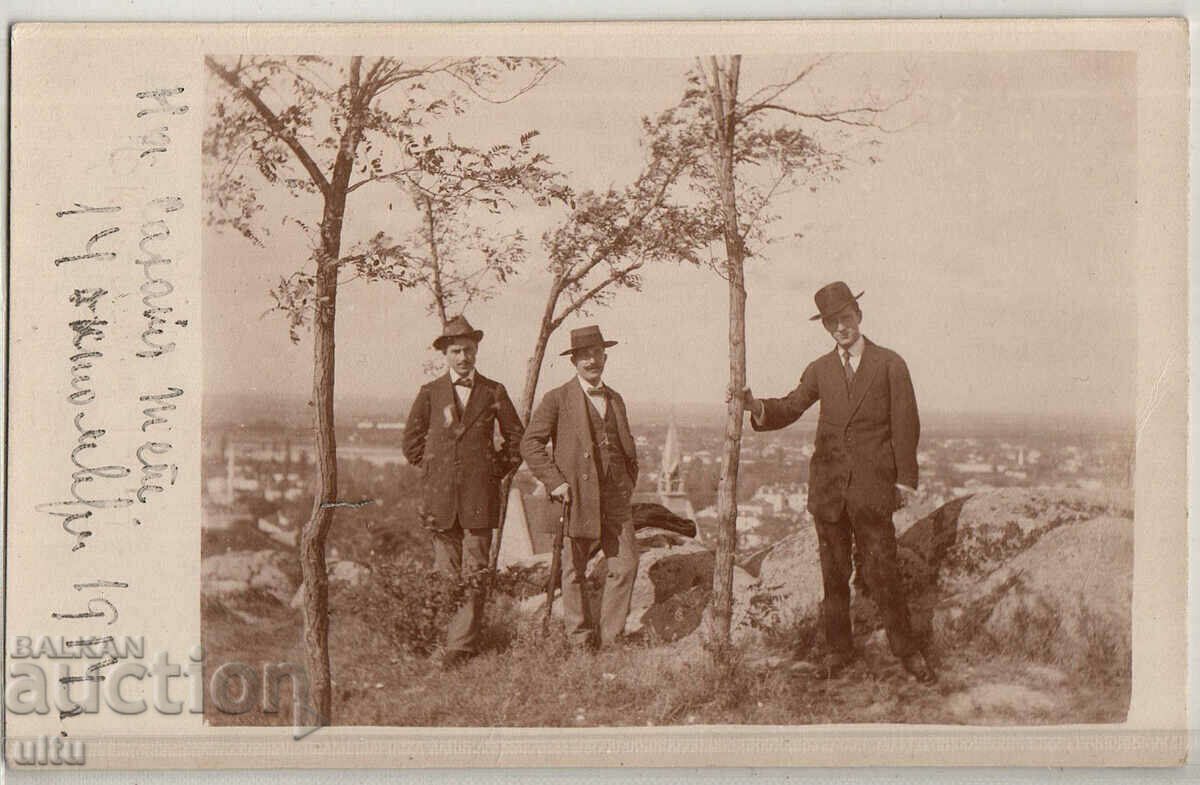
(1065, 600)
(530, 573)
(996, 547)
(788, 590)
(241, 571)
(342, 574)
(972, 536)
(665, 575)
(670, 593)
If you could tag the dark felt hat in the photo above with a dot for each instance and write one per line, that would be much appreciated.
(458, 327)
(586, 338)
(833, 298)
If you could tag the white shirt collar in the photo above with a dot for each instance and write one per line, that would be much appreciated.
(454, 376)
(583, 383)
(856, 348)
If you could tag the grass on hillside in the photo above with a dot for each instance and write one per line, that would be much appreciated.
(522, 679)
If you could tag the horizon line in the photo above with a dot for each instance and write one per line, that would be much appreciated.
(716, 407)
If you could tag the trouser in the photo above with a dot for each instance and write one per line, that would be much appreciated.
(875, 538)
(458, 554)
(621, 564)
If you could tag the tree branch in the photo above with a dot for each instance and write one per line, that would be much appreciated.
(761, 96)
(842, 116)
(392, 175)
(533, 82)
(272, 120)
(748, 226)
(577, 302)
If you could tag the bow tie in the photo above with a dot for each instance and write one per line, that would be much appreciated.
(597, 392)
(466, 381)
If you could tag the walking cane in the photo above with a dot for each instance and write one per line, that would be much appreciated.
(552, 581)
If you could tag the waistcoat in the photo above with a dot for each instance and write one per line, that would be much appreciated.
(606, 437)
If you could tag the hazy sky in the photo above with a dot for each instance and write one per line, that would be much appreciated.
(993, 239)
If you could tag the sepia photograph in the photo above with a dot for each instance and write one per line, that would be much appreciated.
(761, 390)
(690, 394)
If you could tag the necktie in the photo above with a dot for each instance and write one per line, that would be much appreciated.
(849, 369)
(597, 392)
(465, 381)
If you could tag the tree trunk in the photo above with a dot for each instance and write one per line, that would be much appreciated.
(312, 537)
(727, 510)
(724, 96)
(533, 372)
(439, 295)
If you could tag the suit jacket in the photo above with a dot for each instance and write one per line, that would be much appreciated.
(562, 418)
(866, 437)
(460, 465)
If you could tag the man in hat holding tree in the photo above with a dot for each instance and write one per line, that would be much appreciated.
(863, 468)
(594, 468)
(450, 437)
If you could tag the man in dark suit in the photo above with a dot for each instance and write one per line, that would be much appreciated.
(450, 437)
(594, 466)
(863, 468)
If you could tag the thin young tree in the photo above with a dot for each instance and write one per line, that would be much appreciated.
(458, 246)
(603, 244)
(323, 130)
(750, 150)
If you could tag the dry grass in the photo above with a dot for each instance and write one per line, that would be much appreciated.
(524, 680)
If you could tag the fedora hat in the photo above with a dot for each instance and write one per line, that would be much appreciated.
(458, 327)
(586, 338)
(833, 298)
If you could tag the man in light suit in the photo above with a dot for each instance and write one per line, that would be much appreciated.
(594, 466)
(864, 467)
(449, 435)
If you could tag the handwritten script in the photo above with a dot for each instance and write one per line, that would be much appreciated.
(110, 251)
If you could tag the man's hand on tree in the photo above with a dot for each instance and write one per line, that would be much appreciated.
(751, 404)
(746, 396)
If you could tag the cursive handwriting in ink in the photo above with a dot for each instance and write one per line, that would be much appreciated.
(89, 248)
(164, 105)
(85, 472)
(80, 506)
(91, 612)
(152, 413)
(155, 286)
(153, 473)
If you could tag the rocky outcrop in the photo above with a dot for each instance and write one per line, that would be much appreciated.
(236, 577)
(342, 574)
(670, 593)
(243, 571)
(1043, 574)
(973, 536)
(788, 590)
(1065, 600)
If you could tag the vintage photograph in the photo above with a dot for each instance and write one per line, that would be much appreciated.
(630, 391)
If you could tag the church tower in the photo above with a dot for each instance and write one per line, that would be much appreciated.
(230, 474)
(671, 491)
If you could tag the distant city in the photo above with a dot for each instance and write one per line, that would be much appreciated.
(258, 471)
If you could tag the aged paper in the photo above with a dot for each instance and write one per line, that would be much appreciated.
(1009, 196)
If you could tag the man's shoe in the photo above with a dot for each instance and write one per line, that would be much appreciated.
(455, 658)
(833, 665)
(916, 665)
